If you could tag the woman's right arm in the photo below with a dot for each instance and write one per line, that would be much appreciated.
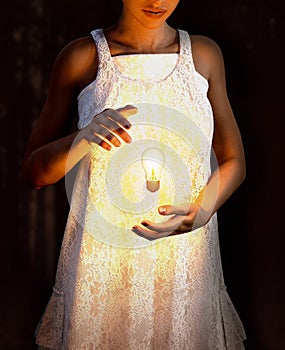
(51, 142)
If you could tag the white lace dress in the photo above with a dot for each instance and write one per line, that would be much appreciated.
(116, 290)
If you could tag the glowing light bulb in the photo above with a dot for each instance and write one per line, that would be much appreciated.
(152, 162)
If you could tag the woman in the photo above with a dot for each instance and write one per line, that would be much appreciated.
(165, 293)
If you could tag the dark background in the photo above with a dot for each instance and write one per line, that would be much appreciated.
(251, 223)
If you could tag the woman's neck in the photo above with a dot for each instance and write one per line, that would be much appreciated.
(142, 40)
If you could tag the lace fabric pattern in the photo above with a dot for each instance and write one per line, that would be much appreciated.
(168, 294)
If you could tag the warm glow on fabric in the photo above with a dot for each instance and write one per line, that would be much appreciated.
(119, 198)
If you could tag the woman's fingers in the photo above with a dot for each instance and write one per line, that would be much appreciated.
(109, 115)
(99, 141)
(183, 220)
(186, 217)
(181, 209)
(128, 110)
(149, 234)
(173, 226)
(111, 128)
(109, 124)
(170, 225)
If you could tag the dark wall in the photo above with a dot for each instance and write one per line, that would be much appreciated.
(251, 230)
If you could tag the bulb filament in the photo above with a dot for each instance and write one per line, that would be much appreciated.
(153, 177)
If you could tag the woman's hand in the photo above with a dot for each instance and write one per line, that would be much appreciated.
(108, 125)
(185, 218)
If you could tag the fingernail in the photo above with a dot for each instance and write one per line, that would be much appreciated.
(144, 223)
(162, 210)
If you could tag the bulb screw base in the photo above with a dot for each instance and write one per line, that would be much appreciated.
(152, 185)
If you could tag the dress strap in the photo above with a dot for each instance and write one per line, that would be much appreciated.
(105, 66)
(186, 47)
(101, 44)
(197, 84)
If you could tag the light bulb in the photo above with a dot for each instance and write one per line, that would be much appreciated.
(152, 162)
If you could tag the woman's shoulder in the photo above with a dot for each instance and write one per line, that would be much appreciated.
(203, 41)
(206, 54)
(79, 51)
(78, 59)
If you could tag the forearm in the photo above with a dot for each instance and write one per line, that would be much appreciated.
(49, 163)
(221, 185)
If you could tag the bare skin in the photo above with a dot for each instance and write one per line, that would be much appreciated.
(138, 30)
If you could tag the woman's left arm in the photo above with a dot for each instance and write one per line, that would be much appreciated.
(227, 145)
